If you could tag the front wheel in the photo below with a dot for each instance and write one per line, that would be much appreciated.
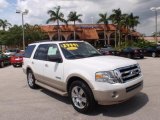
(14, 65)
(81, 97)
(2, 64)
(129, 56)
(31, 80)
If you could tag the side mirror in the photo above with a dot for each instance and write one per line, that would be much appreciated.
(54, 58)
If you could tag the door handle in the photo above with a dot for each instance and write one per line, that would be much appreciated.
(32, 62)
(46, 65)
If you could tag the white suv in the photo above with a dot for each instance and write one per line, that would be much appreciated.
(77, 69)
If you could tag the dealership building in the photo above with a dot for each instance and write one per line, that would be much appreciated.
(93, 33)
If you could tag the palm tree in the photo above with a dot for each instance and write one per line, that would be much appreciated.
(4, 24)
(126, 23)
(74, 17)
(116, 18)
(134, 21)
(103, 19)
(56, 15)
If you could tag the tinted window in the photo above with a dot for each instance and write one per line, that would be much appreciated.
(41, 52)
(158, 47)
(53, 53)
(19, 55)
(28, 51)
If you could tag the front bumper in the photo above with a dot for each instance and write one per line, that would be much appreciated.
(115, 96)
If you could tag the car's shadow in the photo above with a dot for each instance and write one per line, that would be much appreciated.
(64, 99)
(140, 58)
(122, 109)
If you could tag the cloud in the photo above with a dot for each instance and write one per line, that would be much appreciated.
(3, 4)
(88, 8)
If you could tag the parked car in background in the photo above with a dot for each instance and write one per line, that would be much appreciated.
(132, 52)
(4, 60)
(11, 52)
(17, 59)
(152, 51)
(108, 50)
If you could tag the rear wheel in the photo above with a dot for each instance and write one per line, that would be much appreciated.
(31, 80)
(81, 97)
(153, 54)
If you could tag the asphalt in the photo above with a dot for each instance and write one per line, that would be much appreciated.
(19, 102)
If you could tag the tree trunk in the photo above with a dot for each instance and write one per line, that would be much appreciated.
(3, 28)
(104, 36)
(126, 40)
(116, 38)
(108, 39)
(119, 41)
(74, 31)
(58, 30)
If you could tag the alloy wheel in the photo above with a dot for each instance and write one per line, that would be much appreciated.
(78, 97)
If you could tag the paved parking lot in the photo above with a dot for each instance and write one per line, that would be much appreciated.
(19, 102)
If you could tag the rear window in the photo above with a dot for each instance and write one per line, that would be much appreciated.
(28, 51)
(19, 55)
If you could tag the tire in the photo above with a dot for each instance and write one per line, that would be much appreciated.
(31, 80)
(129, 55)
(14, 66)
(81, 97)
(142, 57)
(2, 64)
(153, 54)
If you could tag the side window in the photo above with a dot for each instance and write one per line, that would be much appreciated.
(28, 51)
(41, 52)
(53, 52)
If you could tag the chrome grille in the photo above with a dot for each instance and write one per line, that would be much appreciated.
(130, 72)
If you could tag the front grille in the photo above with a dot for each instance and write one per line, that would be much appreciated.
(128, 89)
(130, 72)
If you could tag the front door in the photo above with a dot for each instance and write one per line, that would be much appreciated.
(53, 71)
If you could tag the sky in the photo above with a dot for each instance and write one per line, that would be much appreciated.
(89, 8)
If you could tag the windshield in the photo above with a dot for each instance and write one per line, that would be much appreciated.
(109, 48)
(77, 50)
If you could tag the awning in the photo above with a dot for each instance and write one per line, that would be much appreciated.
(89, 34)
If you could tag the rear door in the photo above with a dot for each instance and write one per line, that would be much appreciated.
(38, 61)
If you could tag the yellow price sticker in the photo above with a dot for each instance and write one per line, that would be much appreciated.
(70, 46)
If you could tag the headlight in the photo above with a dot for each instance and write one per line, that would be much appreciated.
(139, 68)
(106, 76)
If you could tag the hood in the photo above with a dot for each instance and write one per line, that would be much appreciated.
(104, 63)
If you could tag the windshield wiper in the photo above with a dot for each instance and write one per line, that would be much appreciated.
(75, 56)
(95, 54)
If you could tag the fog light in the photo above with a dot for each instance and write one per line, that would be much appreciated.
(115, 94)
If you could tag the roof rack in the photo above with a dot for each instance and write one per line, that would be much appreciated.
(42, 41)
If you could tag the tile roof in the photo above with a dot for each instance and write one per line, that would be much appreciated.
(89, 34)
(51, 28)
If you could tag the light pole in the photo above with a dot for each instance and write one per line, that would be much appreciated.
(92, 21)
(25, 12)
(155, 9)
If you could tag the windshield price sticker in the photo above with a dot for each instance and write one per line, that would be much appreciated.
(70, 46)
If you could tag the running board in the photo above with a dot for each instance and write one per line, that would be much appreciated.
(51, 88)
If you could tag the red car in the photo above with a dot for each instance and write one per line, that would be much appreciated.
(17, 59)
